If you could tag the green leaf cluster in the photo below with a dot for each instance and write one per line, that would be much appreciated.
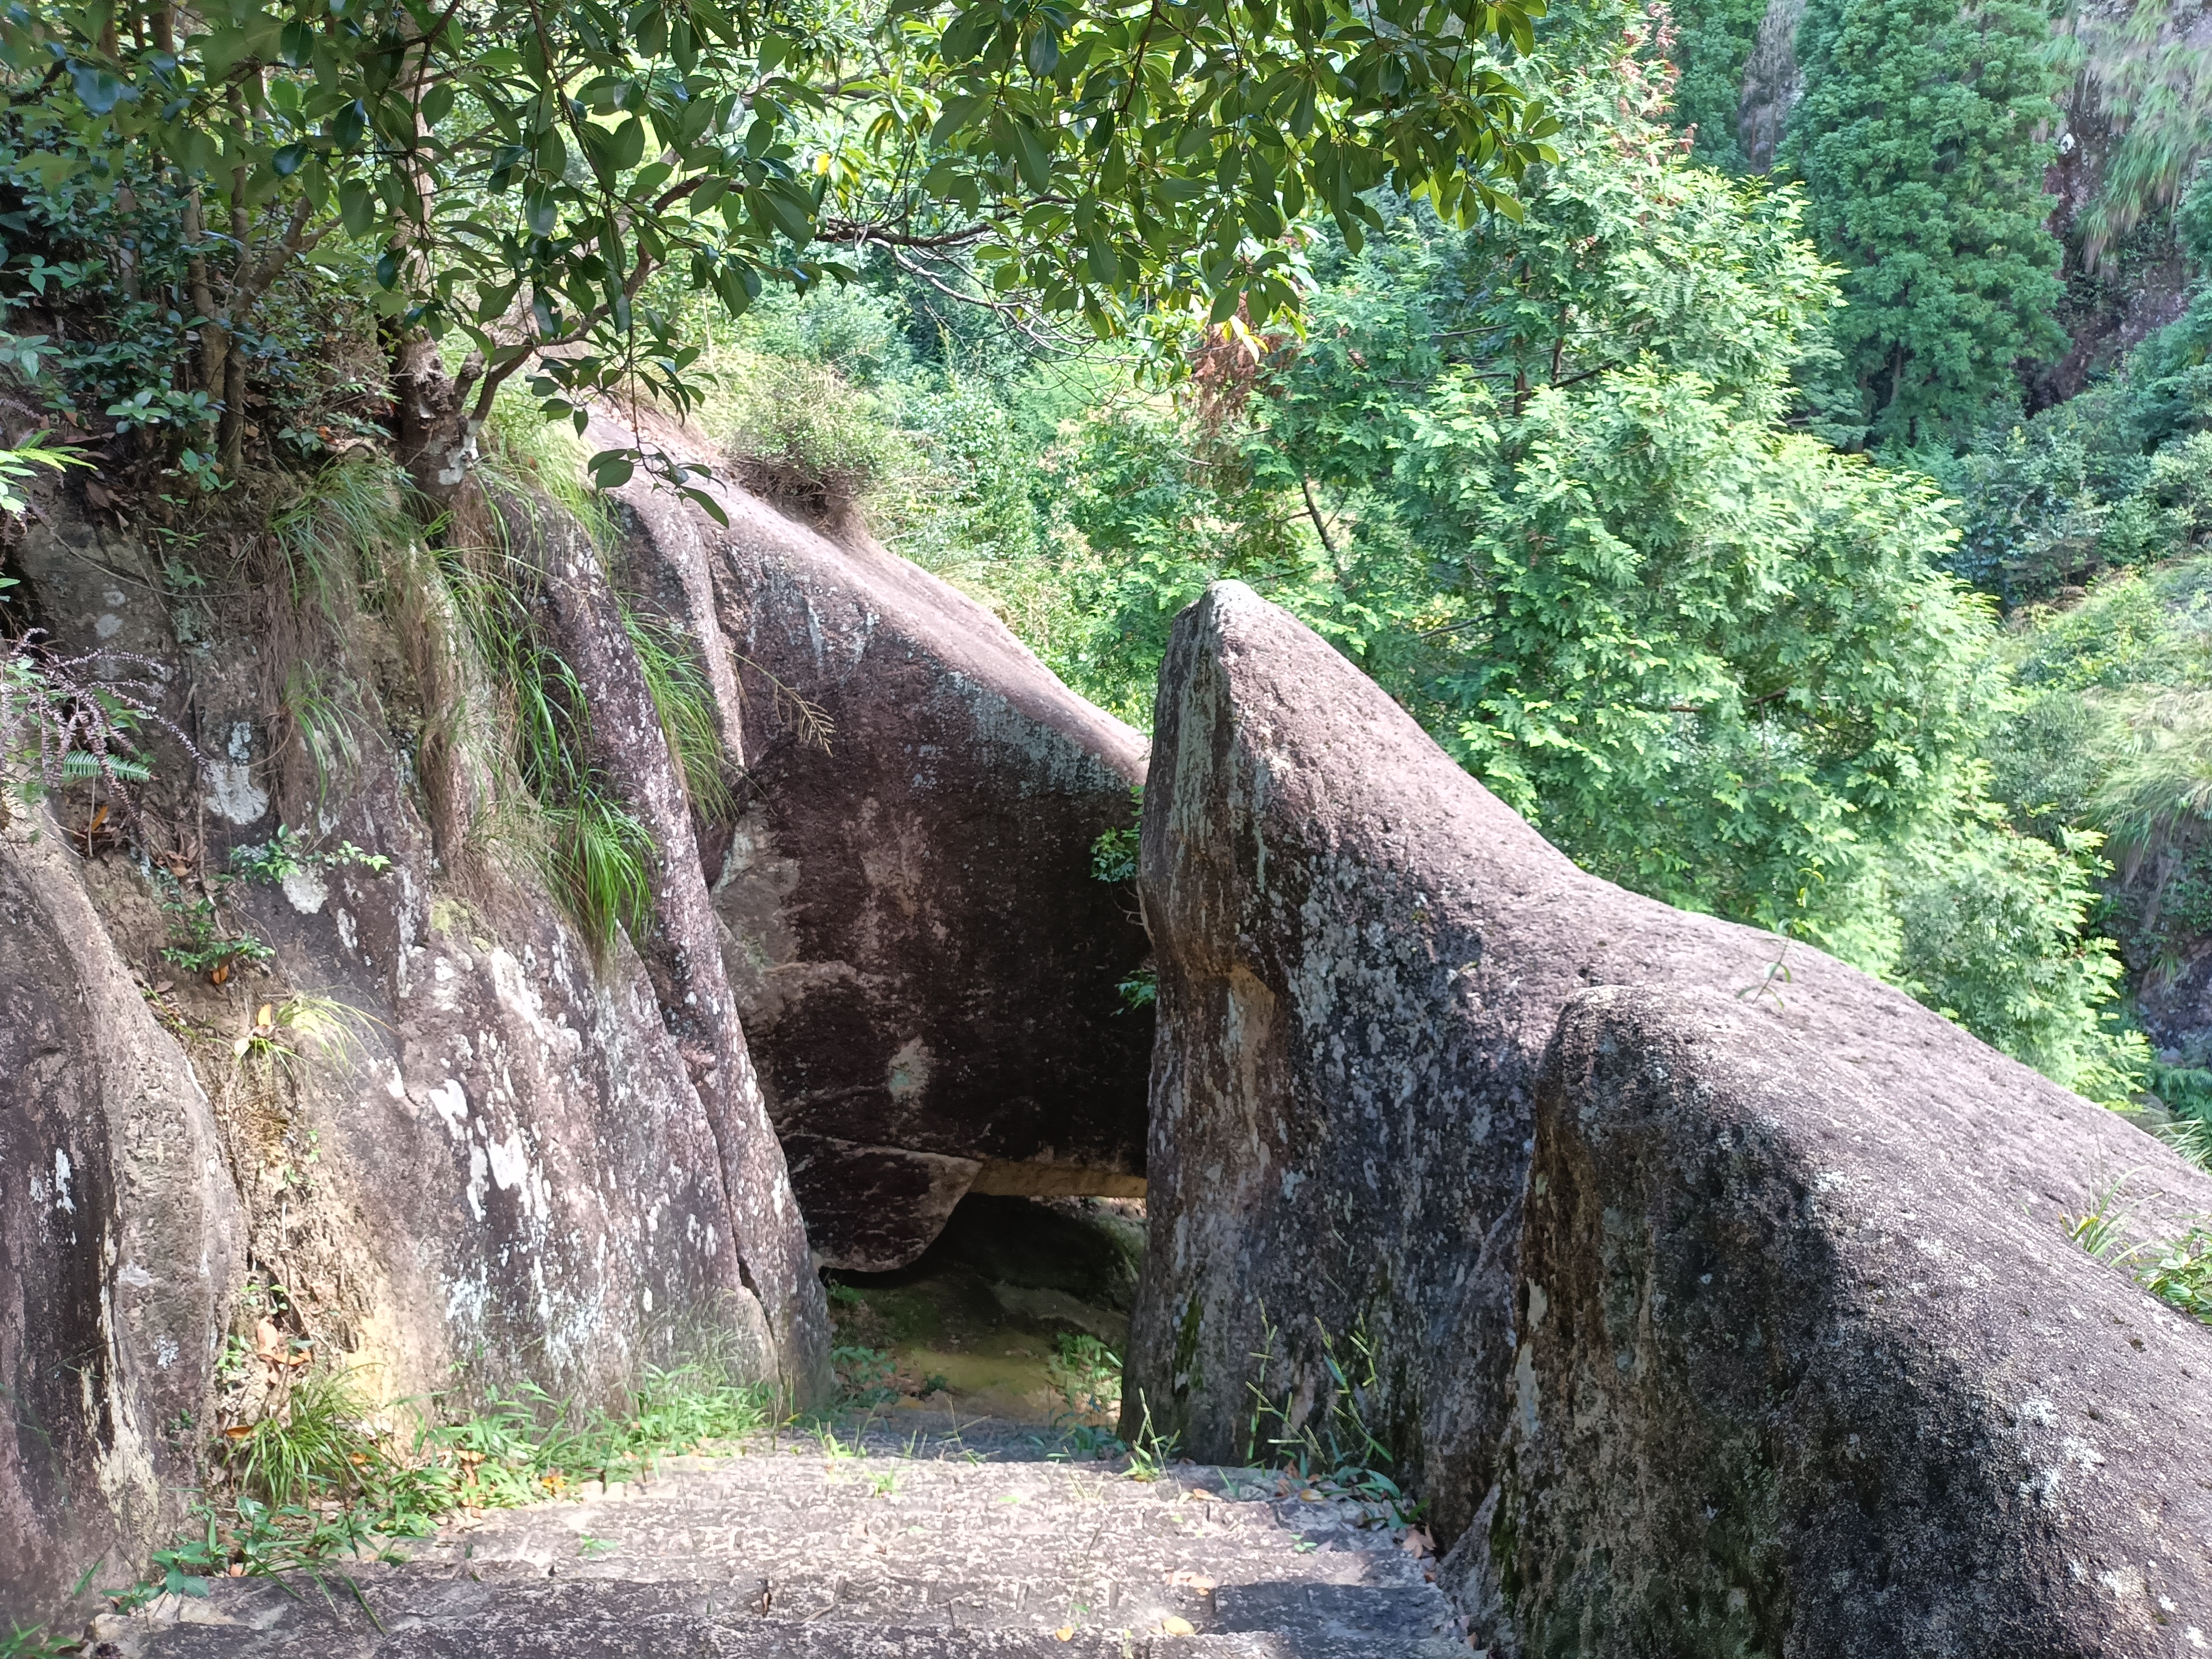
(519, 172)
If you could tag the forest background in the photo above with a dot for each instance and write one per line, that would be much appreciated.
(1779, 467)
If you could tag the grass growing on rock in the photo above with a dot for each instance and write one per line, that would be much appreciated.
(328, 1478)
(2178, 1271)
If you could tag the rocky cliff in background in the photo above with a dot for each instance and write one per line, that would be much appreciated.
(925, 966)
(1362, 957)
(2133, 127)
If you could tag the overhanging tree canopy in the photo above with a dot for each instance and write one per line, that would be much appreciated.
(522, 169)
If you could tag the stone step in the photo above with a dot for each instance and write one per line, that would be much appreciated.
(919, 1548)
(666, 1639)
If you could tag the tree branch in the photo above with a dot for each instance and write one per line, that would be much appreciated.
(848, 230)
(1313, 511)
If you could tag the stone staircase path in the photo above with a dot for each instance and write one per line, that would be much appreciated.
(968, 1539)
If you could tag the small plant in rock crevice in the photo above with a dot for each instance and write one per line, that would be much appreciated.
(1115, 852)
(1087, 1373)
(286, 853)
(1116, 855)
(2178, 1271)
(1149, 1451)
(203, 938)
(1329, 1446)
(34, 1641)
(2101, 1229)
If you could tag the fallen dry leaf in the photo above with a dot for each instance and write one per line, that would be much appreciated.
(1197, 1581)
(1172, 1625)
(1064, 1633)
(268, 1341)
(1417, 1543)
(219, 974)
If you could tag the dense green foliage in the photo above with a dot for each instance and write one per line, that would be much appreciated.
(2119, 477)
(1919, 142)
(518, 173)
(1537, 479)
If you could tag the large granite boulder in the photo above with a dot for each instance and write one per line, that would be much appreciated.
(461, 1154)
(1362, 955)
(1797, 1377)
(121, 1240)
(925, 966)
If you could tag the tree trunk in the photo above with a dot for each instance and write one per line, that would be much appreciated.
(582, 621)
(437, 431)
(230, 434)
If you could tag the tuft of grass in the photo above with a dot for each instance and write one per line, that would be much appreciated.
(1331, 1447)
(2155, 86)
(594, 854)
(526, 446)
(2178, 1271)
(316, 1446)
(309, 1026)
(686, 705)
(2101, 1229)
(1087, 1373)
(1149, 1451)
(337, 530)
(324, 708)
(317, 1480)
(2191, 1137)
(600, 860)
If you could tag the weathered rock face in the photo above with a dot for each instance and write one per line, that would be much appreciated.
(469, 1155)
(925, 966)
(1362, 955)
(682, 952)
(1797, 1377)
(1772, 83)
(120, 1242)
